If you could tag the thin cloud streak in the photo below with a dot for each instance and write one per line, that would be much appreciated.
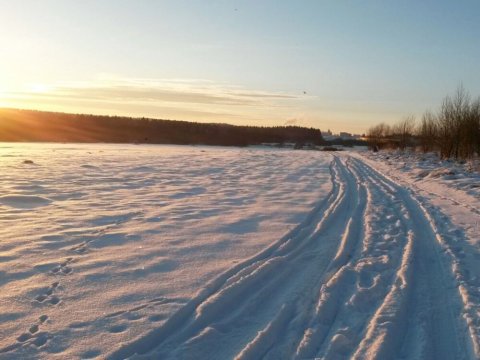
(196, 99)
(182, 91)
(151, 94)
(193, 100)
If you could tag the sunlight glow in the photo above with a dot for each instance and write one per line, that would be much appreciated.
(3, 96)
(326, 64)
(40, 88)
(191, 99)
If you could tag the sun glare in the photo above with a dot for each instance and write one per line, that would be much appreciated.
(39, 88)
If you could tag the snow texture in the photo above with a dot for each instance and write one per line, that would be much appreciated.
(100, 244)
(169, 252)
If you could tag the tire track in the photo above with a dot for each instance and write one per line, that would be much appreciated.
(427, 305)
(253, 293)
(363, 277)
(361, 285)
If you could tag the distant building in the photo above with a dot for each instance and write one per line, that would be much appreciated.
(345, 135)
(327, 133)
(330, 136)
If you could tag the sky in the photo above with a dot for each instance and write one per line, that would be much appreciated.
(339, 65)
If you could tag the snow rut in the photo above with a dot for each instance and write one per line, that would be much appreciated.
(362, 277)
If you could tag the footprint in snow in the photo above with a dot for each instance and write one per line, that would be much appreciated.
(34, 336)
(48, 296)
(116, 329)
(63, 268)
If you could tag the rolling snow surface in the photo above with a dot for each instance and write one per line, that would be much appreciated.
(169, 252)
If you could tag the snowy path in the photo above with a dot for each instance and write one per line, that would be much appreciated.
(366, 275)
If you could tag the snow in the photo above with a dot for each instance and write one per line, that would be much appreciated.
(177, 252)
(102, 243)
(449, 194)
(23, 201)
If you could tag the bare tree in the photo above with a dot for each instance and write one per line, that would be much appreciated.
(470, 133)
(376, 135)
(454, 131)
(475, 114)
(453, 116)
(427, 132)
(403, 132)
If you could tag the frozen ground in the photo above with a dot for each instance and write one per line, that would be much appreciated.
(157, 252)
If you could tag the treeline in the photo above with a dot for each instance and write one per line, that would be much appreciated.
(453, 131)
(28, 125)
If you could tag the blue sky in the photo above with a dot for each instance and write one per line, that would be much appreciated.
(342, 65)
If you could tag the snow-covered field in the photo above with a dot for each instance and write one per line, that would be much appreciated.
(101, 243)
(169, 252)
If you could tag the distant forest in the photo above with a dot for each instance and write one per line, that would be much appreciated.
(39, 126)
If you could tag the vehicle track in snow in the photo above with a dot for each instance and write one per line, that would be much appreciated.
(363, 276)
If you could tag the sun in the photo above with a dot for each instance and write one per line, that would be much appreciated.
(39, 88)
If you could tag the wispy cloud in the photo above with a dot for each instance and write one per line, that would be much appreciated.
(174, 98)
(157, 90)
